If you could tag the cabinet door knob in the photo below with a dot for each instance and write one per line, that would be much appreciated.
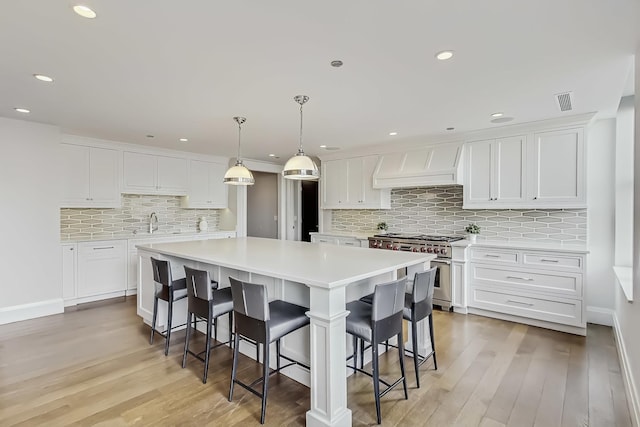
(535, 198)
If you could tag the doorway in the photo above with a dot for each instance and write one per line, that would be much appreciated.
(262, 206)
(308, 209)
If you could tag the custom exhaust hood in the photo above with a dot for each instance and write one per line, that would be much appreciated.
(432, 165)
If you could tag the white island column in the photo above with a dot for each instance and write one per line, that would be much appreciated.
(328, 358)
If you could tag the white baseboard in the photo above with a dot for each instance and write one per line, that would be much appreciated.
(600, 316)
(32, 310)
(633, 397)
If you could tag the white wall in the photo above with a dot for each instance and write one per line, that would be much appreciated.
(624, 182)
(29, 221)
(627, 315)
(601, 220)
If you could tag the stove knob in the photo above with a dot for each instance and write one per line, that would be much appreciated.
(429, 250)
(374, 244)
(395, 248)
(423, 249)
(443, 251)
(389, 246)
(414, 249)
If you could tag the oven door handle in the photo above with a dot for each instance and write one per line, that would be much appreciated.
(439, 261)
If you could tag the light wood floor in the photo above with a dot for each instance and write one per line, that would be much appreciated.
(94, 366)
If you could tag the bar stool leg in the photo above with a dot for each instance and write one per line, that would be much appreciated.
(234, 368)
(155, 316)
(215, 329)
(355, 353)
(278, 355)
(414, 341)
(401, 357)
(433, 343)
(207, 350)
(169, 320)
(362, 344)
(186, 340)
(265, 382)
(230, 328)
(376, 379)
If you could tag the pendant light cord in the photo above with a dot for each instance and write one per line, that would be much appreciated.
(300, 148)
(239, 134)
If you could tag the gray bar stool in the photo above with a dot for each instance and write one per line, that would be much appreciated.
(263, 322)
(207, 304)
(418, 305)
(168, 290)
(375, 323)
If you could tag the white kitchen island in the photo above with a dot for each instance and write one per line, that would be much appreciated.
(322, 277)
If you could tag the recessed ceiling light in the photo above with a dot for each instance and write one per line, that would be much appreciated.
(22, 110)
(337, 63)
(450, 128)
(444, 55)
(43, 78)
(84, 11)
(272, 155)
(497, 114)
(393, 133)
(183, 140)
(323, 146)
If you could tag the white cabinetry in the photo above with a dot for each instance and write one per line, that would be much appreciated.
(336, 239)
(102, 268)
(206, 187)
(69, 253)
(153, 174)
(496, 172)
(544, 288)
(532, 170)
(90, 177)
(558, 177)
(348, 184)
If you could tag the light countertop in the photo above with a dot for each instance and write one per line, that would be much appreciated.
(146, 236)
(355, 235)
(556, 247)
(324, 266)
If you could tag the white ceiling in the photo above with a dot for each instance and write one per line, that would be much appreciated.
(184, 68)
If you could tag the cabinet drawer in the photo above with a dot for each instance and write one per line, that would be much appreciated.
(349, 242)
(568, 312)
(324, 239)
(565, 284)
(564, 262)
(494, 255)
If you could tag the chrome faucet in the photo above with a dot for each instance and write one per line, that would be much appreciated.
(153, 222)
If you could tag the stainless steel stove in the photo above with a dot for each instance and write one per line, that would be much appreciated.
(431, 244)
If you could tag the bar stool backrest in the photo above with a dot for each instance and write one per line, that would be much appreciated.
(422, 294)
(161, 272)
(384, 295)
(250, 299)
(199, 293)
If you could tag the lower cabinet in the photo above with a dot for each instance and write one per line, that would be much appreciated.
(102, 268)
(336, 239)
(543, 288)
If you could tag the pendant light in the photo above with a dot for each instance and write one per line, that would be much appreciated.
(301, 167)
(239, 174)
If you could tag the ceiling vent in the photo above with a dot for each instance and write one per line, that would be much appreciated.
(564, 101)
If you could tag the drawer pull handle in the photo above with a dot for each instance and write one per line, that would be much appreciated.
(103, 247)
(548, 260)
(520, 278)
(492, 256)
(528, 304)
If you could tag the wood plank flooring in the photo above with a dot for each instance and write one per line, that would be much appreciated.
(93, 366)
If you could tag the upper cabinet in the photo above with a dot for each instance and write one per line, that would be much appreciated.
(90, 177)
(558, 173)
(534, 170)
(206, 187)
(153, 174)
(348, 184)
(496, 172)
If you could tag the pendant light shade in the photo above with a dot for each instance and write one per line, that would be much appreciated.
(239, 174)
(301, 167)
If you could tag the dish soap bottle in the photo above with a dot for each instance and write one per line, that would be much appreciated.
(203, 225)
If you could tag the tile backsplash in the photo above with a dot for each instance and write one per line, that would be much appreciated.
(438, 210)
(134, 217)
